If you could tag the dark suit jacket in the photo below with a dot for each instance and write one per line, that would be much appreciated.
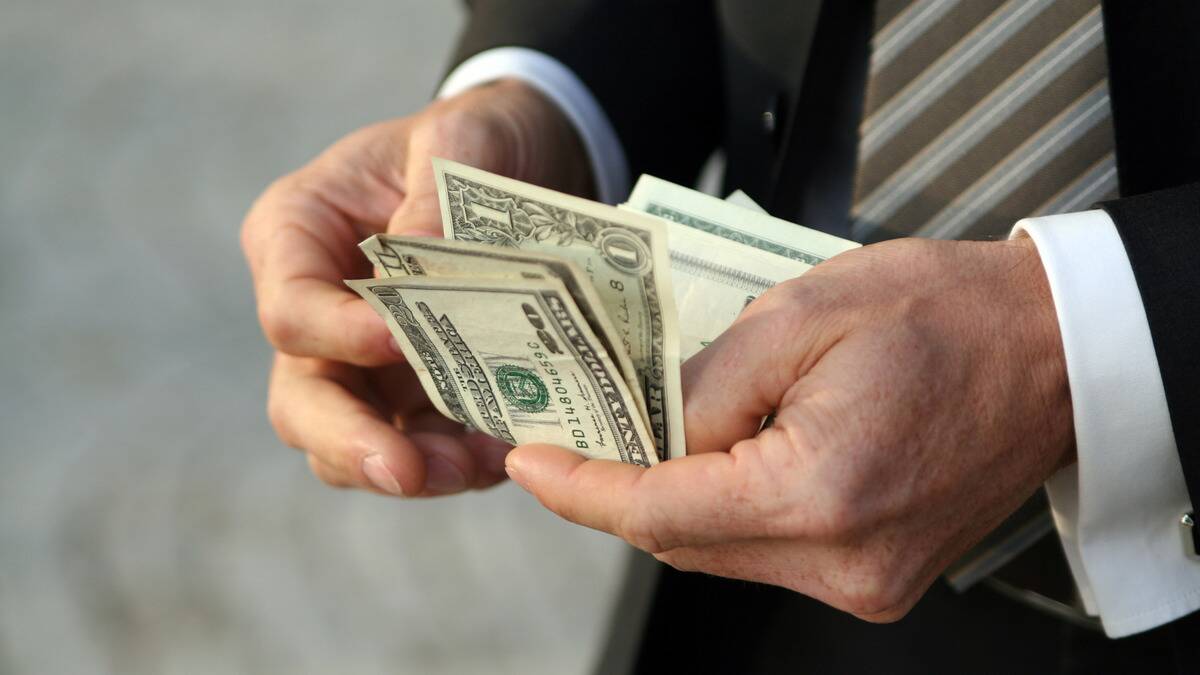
(760, 78)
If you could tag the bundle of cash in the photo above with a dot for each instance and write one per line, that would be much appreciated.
(544, 317)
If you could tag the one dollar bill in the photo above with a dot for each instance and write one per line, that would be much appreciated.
(736, 223)
(397, 256)
(624, 254)
(514, 358)
(725, 253)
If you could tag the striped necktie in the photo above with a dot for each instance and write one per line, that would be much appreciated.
(979, 113)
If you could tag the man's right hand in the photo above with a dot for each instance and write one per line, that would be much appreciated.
(340, 390)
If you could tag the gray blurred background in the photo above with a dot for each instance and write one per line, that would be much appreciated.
(149, 520)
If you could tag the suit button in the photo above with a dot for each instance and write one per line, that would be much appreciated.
(772, 115)
(768, 121)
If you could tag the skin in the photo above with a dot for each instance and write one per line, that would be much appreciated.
(918, 387)
(920, 396)
(340, 390)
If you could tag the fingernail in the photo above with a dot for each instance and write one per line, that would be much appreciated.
(381, 476)
(516, 476)
(442, 476)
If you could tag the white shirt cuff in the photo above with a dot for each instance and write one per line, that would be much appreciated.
(1118, 508)
(569, 93)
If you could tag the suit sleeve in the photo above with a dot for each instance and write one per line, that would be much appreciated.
(653, 65)
(1161, 234)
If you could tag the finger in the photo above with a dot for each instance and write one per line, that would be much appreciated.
(306, 310)
(326, 473)
(420, 215)
(489, 453)
(403, 393)
(430, 420)
(301, 237)
(313, 412)
(475, 460)
(745, 374)
(684, 502)
(481, 140)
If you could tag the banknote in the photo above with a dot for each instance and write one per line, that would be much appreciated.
(514, 358)
(394, 255)
(733, 222)
(624, 254)
(740, 198)
(725, 253)
(714, 279)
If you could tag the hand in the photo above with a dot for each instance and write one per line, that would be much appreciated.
(920, 396)
(339, 388)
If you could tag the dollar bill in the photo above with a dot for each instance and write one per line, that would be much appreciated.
(395, 256)
(514, 358)
(624, 254)
(715, 279)
(740, 198)
(735, 223)
(725, 254)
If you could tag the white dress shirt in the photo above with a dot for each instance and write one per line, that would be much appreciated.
(1118, 509)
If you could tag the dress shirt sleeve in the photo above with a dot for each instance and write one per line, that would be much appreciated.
(1118, 508)
(557, 83)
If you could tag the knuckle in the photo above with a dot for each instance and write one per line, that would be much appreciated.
(279, 327)
(255, 222)
(877, 597)
(324, 474)
(348, 454)
(283, 184)
(277, 414)
(779, 313)
(640, 534)
(792, 295)
(842, 517)
(460, 127)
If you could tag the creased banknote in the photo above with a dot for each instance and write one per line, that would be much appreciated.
(514, 358)
(740, 198)
(733, 222)
(394, 255)
(724, 254)
(624, 255)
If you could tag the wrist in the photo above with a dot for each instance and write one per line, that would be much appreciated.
(1039, 333)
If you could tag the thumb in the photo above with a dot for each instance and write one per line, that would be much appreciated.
(473, 133)
(744, 375)
(419, 214)
(684, 502)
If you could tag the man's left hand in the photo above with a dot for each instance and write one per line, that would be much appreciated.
(919, 395)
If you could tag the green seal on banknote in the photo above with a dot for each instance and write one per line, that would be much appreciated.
(522, 388)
